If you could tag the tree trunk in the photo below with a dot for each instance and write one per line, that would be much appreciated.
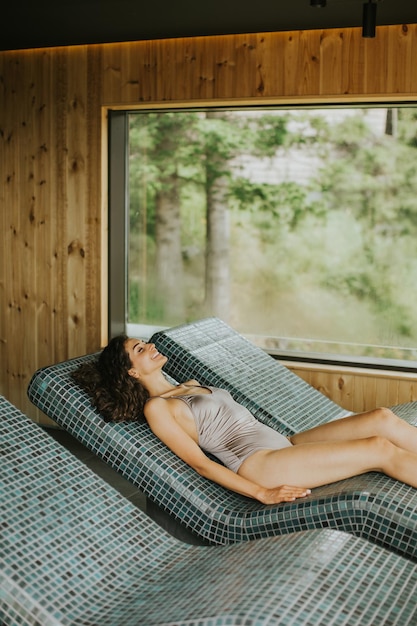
(169, 267)
(391, 122)
(217, 252)
(218, 234)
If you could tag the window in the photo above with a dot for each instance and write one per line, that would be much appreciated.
(296, 226)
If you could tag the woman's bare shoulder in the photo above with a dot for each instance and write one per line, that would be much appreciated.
(154, 404)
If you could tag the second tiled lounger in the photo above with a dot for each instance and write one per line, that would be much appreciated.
(74, 552)
(370, 506)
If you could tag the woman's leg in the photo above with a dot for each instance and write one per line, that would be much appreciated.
(380, 422)
(313, 464)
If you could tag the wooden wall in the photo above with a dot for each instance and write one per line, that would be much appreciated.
(53, 162)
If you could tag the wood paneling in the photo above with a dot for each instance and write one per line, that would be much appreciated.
(356, 389)
(52, 166)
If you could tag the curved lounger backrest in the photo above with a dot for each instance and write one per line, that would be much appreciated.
(215, 354)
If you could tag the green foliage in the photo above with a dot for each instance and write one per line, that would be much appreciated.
(333, 254)
(285, 203)
(269, 133)
(375, 177)
(407, 126)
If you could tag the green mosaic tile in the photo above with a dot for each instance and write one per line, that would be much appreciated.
(74, 552)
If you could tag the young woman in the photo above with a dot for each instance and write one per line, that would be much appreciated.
(127, 382)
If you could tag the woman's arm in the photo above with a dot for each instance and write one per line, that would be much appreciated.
(163, 424)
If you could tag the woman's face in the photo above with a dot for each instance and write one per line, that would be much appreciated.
(144, 357)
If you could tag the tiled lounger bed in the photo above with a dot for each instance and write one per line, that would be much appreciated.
(370, 506)
(73, 551)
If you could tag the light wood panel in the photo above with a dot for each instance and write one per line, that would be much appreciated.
(358, 389)
(53, 166)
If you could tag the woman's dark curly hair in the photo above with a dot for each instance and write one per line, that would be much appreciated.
(116, 395)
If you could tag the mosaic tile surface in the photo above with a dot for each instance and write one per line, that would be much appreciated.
(371, 506)
(74, 552)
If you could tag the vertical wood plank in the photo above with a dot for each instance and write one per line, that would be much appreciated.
(8, 188)
(76, 219)
(270, 65)
(302, 63)
(44, 220)
(15, 185)
(111, 74)
(332, 46)
(147, 71)
(59, 209)
(96, 223)
(204, 70)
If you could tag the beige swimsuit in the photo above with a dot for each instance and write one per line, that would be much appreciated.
(228, 430)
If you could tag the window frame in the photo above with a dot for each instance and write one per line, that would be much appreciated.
(118, 201)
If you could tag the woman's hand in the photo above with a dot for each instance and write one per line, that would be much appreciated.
(284, 493)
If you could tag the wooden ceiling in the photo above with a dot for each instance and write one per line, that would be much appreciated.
(44, 23)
